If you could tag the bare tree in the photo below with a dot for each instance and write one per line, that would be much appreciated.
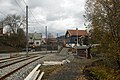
(14, 22)
(15, 25)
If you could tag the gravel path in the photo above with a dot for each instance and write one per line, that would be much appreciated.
(71, 71)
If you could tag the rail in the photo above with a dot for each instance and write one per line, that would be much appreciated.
(15, 70)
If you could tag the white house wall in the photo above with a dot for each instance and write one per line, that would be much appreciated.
(37, 41)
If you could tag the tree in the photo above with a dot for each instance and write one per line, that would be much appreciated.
(13, 22)
(104, 21)
(86, 41)
(17, 38)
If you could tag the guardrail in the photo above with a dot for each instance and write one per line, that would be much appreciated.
(35, 74)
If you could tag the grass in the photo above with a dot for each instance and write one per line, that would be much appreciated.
(50, 70)
(101, 72)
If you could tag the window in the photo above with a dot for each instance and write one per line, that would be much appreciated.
(75, 40)
(30, 37)
(37, 42)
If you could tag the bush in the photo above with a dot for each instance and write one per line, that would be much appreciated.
(101, 72)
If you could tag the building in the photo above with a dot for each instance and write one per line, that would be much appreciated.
(35, 39)
(51, 43)
(61, 40)
(75, 36)
(83, 51)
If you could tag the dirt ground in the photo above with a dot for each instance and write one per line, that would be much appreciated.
(69, 71)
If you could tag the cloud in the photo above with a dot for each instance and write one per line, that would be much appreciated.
(58, 15)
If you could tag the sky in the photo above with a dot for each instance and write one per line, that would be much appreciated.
(57, 15)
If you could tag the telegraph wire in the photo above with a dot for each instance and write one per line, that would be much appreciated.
(19, 6)
(6, 15)
(31, 12)
(24, 2)
(34, 17)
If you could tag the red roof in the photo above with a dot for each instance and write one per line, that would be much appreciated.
(77, 32)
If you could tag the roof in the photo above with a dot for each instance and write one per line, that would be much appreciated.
(77, 32)
(35, 35)
(81, 47)
(31, 34)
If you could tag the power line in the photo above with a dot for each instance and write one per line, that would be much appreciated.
(31, 12)
(2, 13)
(6, 15)
(19, 6)
(34, 17)
(24, 2)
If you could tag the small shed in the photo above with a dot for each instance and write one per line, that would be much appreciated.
(83, 51)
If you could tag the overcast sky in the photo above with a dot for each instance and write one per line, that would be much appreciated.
(58, 15)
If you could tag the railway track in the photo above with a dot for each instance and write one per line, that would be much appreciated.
(11, 59)
(7, 58)
(15, 58)
(19, 66)
(14, 62)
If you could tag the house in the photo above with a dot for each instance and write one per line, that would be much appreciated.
(61, 40)
(35, 39)
(75, 36)
(51, 43)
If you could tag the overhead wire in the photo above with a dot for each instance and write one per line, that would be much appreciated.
(24, 2)
(31, 12)
(2, 13)
(36, 22)
(6, 15)
(19, 6)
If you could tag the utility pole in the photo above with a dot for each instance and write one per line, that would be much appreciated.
(27, 30)
(57, 43)
(77, 40)
(77, 35)
(46, 37)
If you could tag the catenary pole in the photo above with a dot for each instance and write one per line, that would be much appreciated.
(46, 37)
(27, 30)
